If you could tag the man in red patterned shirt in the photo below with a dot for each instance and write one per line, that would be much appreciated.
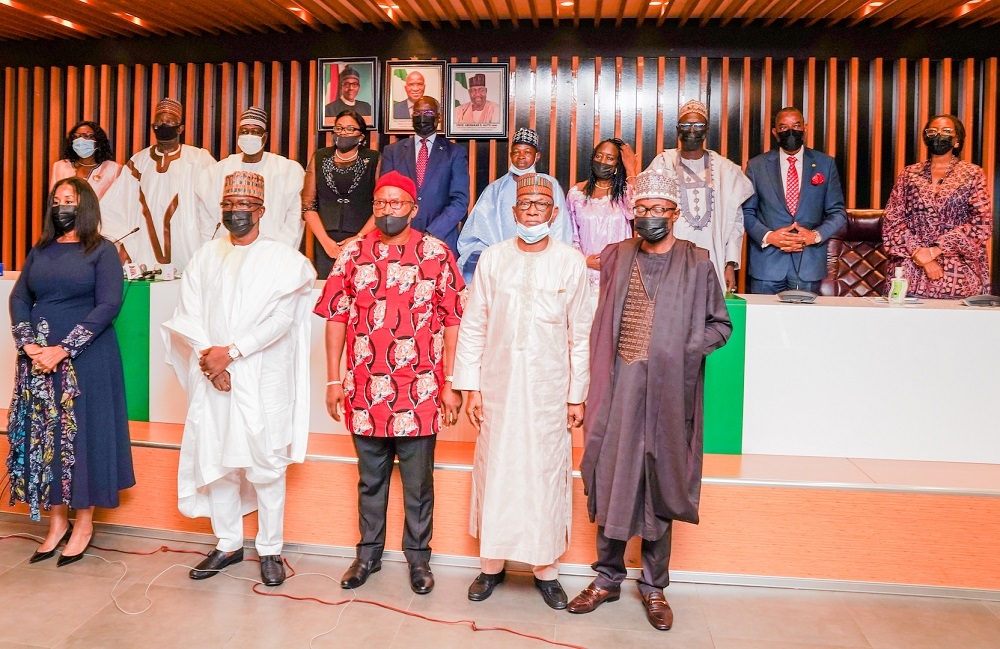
(395, 297)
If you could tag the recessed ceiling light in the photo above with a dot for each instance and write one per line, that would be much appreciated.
(655, 3)
(875, 4)
(567, 3)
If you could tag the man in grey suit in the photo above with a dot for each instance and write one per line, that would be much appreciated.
(797, 206)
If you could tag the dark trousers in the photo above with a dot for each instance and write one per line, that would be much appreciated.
(791, 281)
(416, 468)
(610, 564)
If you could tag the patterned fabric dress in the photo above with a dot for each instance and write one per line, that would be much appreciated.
(954, 215)
(396, 301)
(68, 430)
(597, 223)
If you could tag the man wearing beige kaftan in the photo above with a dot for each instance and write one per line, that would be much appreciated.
(523, 354)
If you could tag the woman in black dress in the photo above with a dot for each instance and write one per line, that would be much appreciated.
(68, 425)
(338, 189)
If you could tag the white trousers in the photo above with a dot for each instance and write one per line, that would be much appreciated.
(542, 573)
(227, 521)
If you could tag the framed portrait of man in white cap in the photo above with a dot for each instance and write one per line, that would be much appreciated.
(477, 106)
(347, 84)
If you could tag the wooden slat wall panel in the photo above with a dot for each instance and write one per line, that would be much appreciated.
(866, 113)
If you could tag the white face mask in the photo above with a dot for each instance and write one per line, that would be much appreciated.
(250, 144)
(519, 172)
(84, 148)
(534, 233)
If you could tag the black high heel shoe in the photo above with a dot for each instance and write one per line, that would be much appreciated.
(67, 559)
(42, 556)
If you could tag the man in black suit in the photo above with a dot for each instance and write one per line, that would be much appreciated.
(350, 85)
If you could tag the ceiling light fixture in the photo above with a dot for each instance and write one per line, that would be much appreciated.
(567, 3)
(875, 5)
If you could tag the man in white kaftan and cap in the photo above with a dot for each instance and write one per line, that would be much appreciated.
(490, 221)
(282, 177)
(157, 193)
(239, 342)
(523, 353)
(712, 193)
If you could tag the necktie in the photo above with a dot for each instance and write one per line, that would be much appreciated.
(421, 162)
(791, 186)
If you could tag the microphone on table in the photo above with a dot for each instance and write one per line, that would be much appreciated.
(216, 230)
(129, 234)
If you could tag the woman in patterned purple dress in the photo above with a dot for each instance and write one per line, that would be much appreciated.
(68, 425)
(939, 218)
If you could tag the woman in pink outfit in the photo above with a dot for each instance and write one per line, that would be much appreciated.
(87, 154)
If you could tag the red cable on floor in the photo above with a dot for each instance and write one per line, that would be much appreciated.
(291, 573)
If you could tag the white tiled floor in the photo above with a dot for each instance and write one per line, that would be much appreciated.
(71, 607)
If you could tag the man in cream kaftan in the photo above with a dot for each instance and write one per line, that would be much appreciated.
(156, 192)
(523, 352)
(239, 342)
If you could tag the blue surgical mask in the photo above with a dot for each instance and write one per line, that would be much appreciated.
(84, 148)
(532, 234)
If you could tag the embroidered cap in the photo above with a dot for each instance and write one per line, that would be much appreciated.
(254, 116)
(656, 183)
(169, 106)
(348, 71)
(244, 183)
(694, 106)
(477, 80)
(396, 179)
(534, 184)
(525, 136)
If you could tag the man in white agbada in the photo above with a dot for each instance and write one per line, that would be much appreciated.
(157, 193)
(239, 342)
(523, 353)
(712, 193)
(490, 223)
(282, 177)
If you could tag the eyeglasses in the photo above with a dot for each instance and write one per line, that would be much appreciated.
(934, 132)
(691, 126)
(346, 130)
(424, 113)
(658, 211)
(394, 205)
(242, 205)
(541, 206)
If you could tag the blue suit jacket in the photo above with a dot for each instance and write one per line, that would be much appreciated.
(443, 201)
(821, 208)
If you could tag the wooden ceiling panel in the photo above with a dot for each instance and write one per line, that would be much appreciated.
(61, 19)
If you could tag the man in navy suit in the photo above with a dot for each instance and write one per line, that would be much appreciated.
(440, 170)
(797, 206)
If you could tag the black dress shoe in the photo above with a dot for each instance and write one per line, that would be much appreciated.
(358, 573)
(484, 584)
(272, 570)
(42, 556)
(67, 559)
(214, 562)
(421, 578)
(553, 593)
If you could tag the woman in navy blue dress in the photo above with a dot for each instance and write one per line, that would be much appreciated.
(68, 427)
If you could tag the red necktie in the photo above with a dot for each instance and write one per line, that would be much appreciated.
(791, 186)
(421, 162)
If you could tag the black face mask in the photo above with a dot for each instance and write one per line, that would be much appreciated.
(652, 228)
(64, 218)
(940, 144)
(424, 126)
(602, 170)
(691, 140)
(238, 222)
(391, 226)
(345, 144)
(791, 140)
(165, 132)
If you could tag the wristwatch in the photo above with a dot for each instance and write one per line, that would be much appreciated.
(233, 352)
(818, 239)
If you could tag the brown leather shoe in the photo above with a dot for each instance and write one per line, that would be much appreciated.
(658, 611)
(591, 597)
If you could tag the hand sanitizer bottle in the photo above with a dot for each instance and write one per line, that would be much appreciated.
(897, 291)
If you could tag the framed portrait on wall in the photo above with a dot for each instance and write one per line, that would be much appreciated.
(478, 100)
(405, 82)
(347, 84)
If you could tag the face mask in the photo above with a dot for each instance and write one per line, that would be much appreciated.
(345, 144)
(84, 148)
(652, 228)
(602, 170)
(791, 140)
(165, 132)
(238, 222)
(250, 144)
(64, 218)
(391, 226)
(534, 233)
(940, 144)
(520, 172)
(691, 141)
(424, 126)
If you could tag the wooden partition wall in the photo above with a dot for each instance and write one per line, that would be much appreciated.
(866, 113)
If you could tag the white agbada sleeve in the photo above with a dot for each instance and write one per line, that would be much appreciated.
(118, 208)
(581, 315)
(472, 331)
(290, 217)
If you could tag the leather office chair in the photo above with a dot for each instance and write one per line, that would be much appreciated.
(856, 260)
